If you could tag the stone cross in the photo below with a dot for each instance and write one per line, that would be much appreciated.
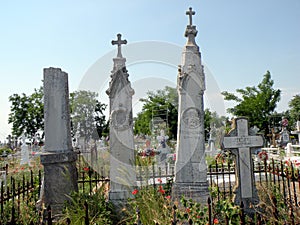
(190, 13)
(241, 143)
(119, 42)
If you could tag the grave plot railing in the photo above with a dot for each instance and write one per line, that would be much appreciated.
(90, 180)
(24, 188)
(283, 177)
(221, 177)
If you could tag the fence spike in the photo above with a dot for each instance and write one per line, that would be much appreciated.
(86, 218)
(49, 215)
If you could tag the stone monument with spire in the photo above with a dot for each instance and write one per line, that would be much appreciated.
(121, 142)
(190, 165)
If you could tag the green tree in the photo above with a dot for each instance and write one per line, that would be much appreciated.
(256, 103)
(294, 111)
(88, 120)
(27, 113)
(102, 125)
(163, 105)
(87, 114)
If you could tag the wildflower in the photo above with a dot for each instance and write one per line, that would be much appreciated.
(162, 191)
(85, 168)
(216, 221)
(168, 197)
(135, 191)
(198, 217)
(188, 210)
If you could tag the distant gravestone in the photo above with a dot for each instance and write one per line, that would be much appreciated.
(163, 147)
(242, 143)
(58, 159)
(24, 152)
(297, 131)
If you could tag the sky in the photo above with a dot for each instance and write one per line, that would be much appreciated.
(239, 41)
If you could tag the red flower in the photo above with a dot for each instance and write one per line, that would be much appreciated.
(198, 217)
(216, 221)
(159, 180)
(162, 191)
(168, 197)
(135, 191)
(188, 210)
(86, 169)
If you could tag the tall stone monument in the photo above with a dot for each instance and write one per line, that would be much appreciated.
(190, 165)
(121, 142)
(60, 174)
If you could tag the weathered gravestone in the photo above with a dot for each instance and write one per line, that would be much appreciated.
(60, 173)
(24, 152)
(190, 165)
(242, 143)
(121, 143)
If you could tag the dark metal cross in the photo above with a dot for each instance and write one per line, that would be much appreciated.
(119, 42)
(190, 13)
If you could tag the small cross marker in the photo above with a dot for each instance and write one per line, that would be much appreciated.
(119, 42)
(190, 13)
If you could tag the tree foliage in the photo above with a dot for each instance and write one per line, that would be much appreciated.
(27, 113)
(256, 103)
(87, 116)
(294, 111)
(161, 104)
(165, 102)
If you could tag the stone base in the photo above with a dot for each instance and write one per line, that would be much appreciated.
(60, 179)
(119, 199)
(195, 191)
(249, 203)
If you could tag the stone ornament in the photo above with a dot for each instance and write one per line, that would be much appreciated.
(192, 117)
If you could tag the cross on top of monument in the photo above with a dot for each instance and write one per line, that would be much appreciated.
(190, 12)
(119, 42)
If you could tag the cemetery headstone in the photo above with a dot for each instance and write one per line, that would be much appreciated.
(24, 152)
(190, 165)
(297, 131)
(242, 143)
(121, 142)
(163, 147)
(212, 138)
(58, 159)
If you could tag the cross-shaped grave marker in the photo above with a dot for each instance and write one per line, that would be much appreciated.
(242, 145)
(119, 42)
(190, 12)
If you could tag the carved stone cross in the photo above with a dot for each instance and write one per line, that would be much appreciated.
(241, 143)
(190, 12)
(119, 42)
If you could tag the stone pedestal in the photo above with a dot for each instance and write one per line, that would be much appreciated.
(58, 159)
(60, 178)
